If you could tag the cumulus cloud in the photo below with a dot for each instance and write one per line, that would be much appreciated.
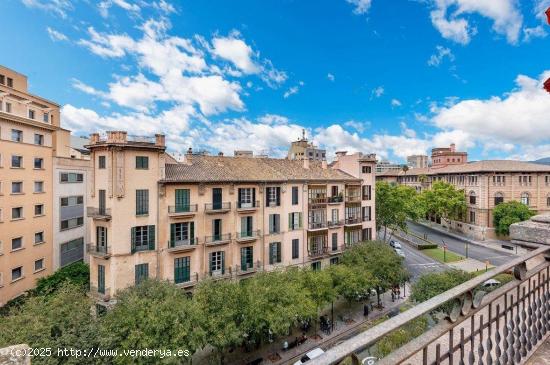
(449, 17)
(55, 35)
(235, 50)
(440, 54)
(360, 6)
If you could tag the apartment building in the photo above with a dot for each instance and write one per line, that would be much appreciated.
(417, 161)
(217, 216)
(303, 149)
(444, 156)
(486, 184)
(29, 140)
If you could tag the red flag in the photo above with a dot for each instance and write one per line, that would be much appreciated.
(548, 15)
(547, 85)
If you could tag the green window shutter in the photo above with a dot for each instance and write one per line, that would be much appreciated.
(300, 220)
(151, 232)
(243, 258)
(290, 221)
(172, 234)
(223, 262)
(271, 253)
(279, 252)
(133, 239)
(187, 269)
(192, 233)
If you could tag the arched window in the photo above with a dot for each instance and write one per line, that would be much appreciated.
(472, 197)
(525, 198)
(499, 198)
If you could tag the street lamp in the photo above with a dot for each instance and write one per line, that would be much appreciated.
(467, 244)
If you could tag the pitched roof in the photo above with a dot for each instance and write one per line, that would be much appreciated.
(229, 169)
(496, 166)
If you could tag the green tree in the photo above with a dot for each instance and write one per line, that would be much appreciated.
(220, 309)
(319, 287)
(395, 204)
(155, 315)
(445, 201)
(432, 284)
(77, 273)
(506, 214)
(59, 320)
(272, 303)
(351, 283)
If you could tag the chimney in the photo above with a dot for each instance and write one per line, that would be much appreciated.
(94, 138)
(160, 140)
(453, 147)
(306, 163)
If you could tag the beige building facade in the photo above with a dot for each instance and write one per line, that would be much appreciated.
(30, 138)
(217, 216)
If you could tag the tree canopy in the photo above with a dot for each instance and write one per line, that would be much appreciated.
(506, 214)
(444, 200)
(433, 284)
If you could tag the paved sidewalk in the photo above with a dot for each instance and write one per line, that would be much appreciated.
(469, 265)
(490, 243)
(347, 323)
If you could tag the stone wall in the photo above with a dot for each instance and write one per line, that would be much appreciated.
(533, 232)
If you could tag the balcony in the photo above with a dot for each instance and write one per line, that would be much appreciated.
(503, 326)
(314, 226)
(193, 280)
(335, 199)
(247, 270)
(243, 207)
(221, 274)
(98, 251)
(220, 239)
(316, 252)
(335, 224)
(318, 201)
(182, 210)
(336, 250)
(353, 198)
(183, 245)
(103, 214)
(249, 236)
(215, 208)
(103, 295)
(353, 221)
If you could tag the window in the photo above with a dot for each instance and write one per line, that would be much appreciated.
(524, 179)
(274, 253)
(295, 248)
(31, 114)
(247, 258)
(247, 197)
(38, 163)
(39, 139)
(2, 79)
(72, 223)
(366, 169)
(142, 162)
(101, 279)
(143, 238)
(334, 260)
(39, 265)
(17, 273)
(367, 234)
(8, 107)
(335, 216)
(17, 187)
(316, 266)
(142, 202)
(71, 177)
(39, 209)
(274, 223)
(38, 237)
(45, 118)
(472, 180)
(72, 251)
(17, 213)
(273, 196)
(334, 242)
(38, 186)
(10, 82)
(499, 180)
(17, 161)
(294, 220)
(366, 213)
(499, 198)
(525, 198)
(182, 233)
(71, 201)
(367, 192)
(16, 135)
(182, 200)
(182, 269)
(142, 273)
(16, 243)
(472, 217)
(294, 195)
(547, 202)
(472, 197)
(247, 225)
(217, 263)
(101, 162)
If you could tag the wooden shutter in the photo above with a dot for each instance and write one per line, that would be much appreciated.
(243, 259)
(223, 262)
(278, 251)
(192, 233)
(267, 190)
(151, 233)
(172, 234)
(278, 190)
(271, 253)
(277, 223)
(290, 221)
(133, 239)
(300, 219)
(210, 263)
(253, 197)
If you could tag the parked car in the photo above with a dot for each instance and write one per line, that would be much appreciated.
(392, 243)
(316, 352)
(490, 283)
(399, 252)
(397, 245)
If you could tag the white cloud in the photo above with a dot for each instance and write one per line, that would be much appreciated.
(395, 102)
(293, 90)
(166, 7)
(377, 92)
(360, 6)
(358, 126)
(57, 7)
(105, 5)
(540, 8)
(235, 50)
(535, 32)
(438, 57)
(330, 77)
(505, 14)
(55, 35)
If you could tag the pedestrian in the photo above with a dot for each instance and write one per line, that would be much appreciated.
(366, 310)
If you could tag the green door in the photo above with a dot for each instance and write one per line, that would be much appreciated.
(182, 200)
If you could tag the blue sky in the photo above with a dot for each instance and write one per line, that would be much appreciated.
(391, 77)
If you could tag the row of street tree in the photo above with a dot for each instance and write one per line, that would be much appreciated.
(220, 315)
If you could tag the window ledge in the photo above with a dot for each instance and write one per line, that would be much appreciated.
(39, 215)
(17, 193)
(39, 192)
(17, 168)
(142, 215)
(17, 219)
(39, 168)
(18, 279)
(18, 249)
(39, 270)
(39, 243)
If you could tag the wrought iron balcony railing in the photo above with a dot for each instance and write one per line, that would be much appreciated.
(248, 235)
(314, 252)
(217, 207)
(98, 250)
(335, 199)
(182, 209)
(186, 243)
(99, 213)
(502, 326)
(317, 225)
(248, 205)
(217, 239)
(353, 220)
(337, 223)
(317, 201)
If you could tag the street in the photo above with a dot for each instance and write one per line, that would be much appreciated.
(417, 263)
(477, 252)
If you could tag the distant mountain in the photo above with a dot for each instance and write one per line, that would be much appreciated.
(544, 161)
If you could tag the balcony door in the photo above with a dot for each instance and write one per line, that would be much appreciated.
(217, 229)
(102, 201)
(182, 200)
(246, 226)
(217, 198)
